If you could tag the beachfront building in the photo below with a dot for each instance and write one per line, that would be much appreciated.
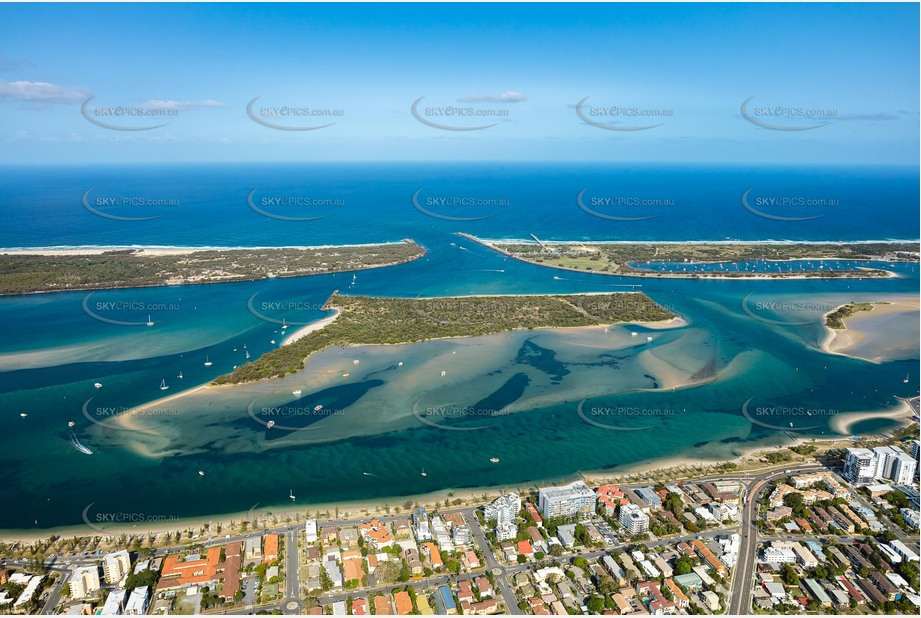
(137, 602)
(860, 465)
(504, 510)
(116, 566)
(310, 529)
(84, 582)
(903, 469)
(115, 603)
(421, 527)
(634, 520)
(566, 501)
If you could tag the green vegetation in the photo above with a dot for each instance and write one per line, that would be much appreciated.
(28, 273)
(835, 319)
(626, 259)
(374, 321)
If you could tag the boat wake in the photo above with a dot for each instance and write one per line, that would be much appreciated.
(78, 446)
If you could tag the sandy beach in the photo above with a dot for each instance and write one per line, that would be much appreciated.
(860, 332)
(157, 250)
(306, 330)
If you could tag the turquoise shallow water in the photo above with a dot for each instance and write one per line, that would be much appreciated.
(735, 349)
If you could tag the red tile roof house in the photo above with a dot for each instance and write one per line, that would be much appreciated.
(525, 549)
(483, 585)
(270, 553)
(471, 561)
(658, 604)
(535, 515)
(611, 497)
(359, 607)
(465, 591)
(382, 605)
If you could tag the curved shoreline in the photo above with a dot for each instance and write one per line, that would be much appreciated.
(847, 341)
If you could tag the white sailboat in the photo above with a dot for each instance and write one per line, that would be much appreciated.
(180, 375)
(296, 392)
(291, 495)
(149, 321)
(208, 362)
(163, 386)
(270, 424)
(905, 381)
(424, 473)
(284, 324)
(98, 385)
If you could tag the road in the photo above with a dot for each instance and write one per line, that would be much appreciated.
(740, 591)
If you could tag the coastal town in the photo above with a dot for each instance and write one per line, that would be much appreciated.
(835, 532)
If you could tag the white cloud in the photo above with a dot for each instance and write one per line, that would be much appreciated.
(170, 104)
(41, 92)
(509, 96)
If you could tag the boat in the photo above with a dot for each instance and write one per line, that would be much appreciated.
(272, 342)
(354, 277)
(244, 346)
(149, 321)
(270, 424)
(98, 385)
(905, 381)
(70, 423)
(400, 364)
(317, 408)
(23, 414)
(296, 392)
(208, 362)
(648, 338)
(291, 495)
(424, 473)
(201, 473)
(494, 459)
(345, 375)
(444, 373)
(163, 386)
(355, 362)
(634, 334)
(247, 354)
(78, 446)
(284, 324)
(180, 375)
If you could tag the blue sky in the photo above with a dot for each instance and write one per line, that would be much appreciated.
(847, 76)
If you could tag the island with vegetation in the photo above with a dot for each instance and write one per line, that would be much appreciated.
(26, 272)
(366, 321)
(627, 259)
(836, 318)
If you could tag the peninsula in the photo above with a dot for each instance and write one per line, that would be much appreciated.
(56, 270)
(629, 259)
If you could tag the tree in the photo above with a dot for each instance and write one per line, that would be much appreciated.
(788, 574)
(795, 501)
(683, 565)
(556, 550)
(387, 572)
(595, 604)
(674, 503)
